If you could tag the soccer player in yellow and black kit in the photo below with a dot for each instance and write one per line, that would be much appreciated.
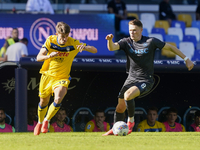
(150, 124)
(57, 53)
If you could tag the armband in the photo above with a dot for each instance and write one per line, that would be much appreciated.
(185, 58)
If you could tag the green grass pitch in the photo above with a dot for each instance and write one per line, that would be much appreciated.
(94, 141)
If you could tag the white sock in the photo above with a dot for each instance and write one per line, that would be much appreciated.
(45, 119)
(131, 119)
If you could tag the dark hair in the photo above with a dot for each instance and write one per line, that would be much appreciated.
(24, 40)
(1, 108)
(99, 111)
(197, 113)
(172, 110)
(153, 108)
(136, 22)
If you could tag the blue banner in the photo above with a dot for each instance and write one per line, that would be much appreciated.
(88, 28)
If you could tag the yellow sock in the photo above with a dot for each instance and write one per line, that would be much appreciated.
(41, 113)
(53, 108)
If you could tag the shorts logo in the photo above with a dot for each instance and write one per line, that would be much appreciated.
(40, 30)
(143, 85)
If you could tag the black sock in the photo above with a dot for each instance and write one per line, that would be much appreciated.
(130, 107)
(119, 116)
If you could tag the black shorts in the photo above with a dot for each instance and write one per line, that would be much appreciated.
(143, 86)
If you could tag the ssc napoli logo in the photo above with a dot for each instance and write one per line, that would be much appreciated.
(40, 30)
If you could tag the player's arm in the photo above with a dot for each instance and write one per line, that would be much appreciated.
(42, 55)
(89, 127)
(88, 48)
(189, 63)
(110, 44)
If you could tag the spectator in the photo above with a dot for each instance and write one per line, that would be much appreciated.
(98, 124)
(9, 41)
(4, 127)
(39, 6)
(118, 8)
(170, 124)
(150, 124)
(196, 125)
(198, 12)
(166, 12)
(59, 125)
(32, 113)
(16, 51)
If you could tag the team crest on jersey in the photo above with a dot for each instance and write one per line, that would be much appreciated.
(67, 48)
(40, 30)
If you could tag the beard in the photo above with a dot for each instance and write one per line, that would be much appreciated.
(2, 120)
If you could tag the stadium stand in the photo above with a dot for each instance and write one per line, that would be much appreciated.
(80, 118)
(196, 56)
(196, 24)
(176, 31)
(162, 24)
(172, 38)
(124, 27)
(178, 24)
(187, 48)
(147, 25)
(159, 31)
(187, 18)
(129, 15)
(156, 35)
(150, 17)
(190, 38)
(145, 32)
(193, 31)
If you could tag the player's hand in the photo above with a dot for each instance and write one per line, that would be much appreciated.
(53, 54)
(189, 64)
(80, 47)
(100, 125)
(109, 37)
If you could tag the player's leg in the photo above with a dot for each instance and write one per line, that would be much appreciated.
(45, 91)
(129, 96)
(118, 115)
(42, 110)
(59, 93)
